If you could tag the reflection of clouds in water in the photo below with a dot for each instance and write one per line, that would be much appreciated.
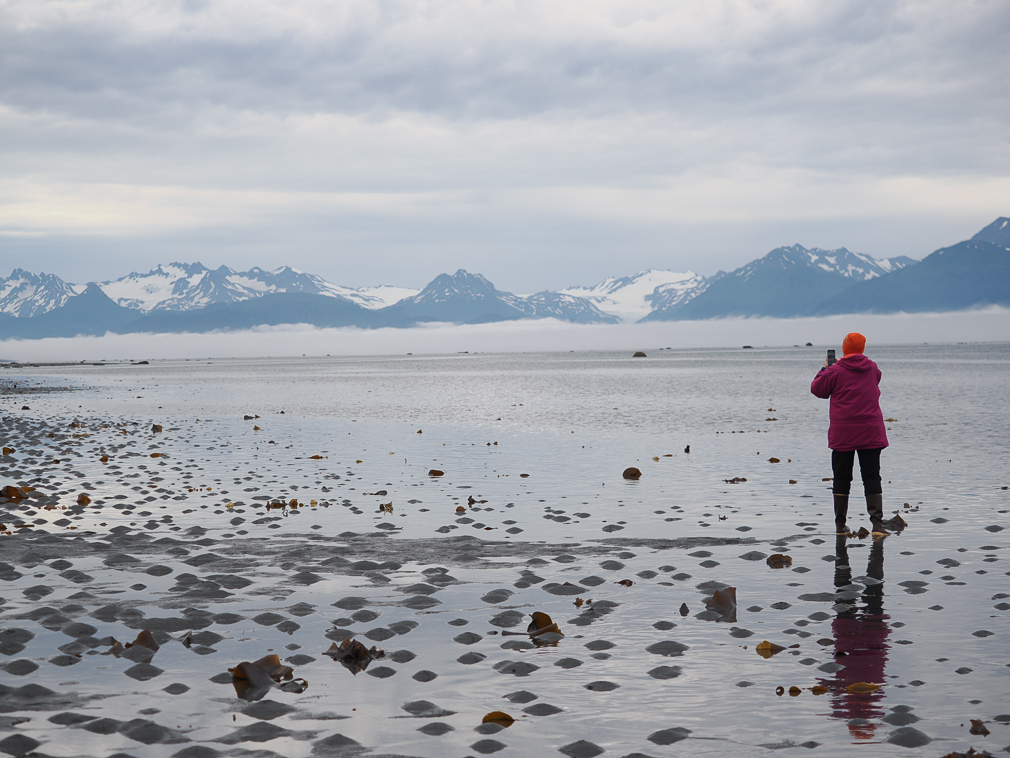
(988, 325)
(860, 643)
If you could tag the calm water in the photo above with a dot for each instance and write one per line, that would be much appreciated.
(932, 632)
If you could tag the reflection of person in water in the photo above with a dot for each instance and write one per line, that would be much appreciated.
(860, 641)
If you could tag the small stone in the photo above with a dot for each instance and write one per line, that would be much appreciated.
(908, 736)
(582, 749)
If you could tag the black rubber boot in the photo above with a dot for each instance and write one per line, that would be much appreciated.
(841, 511)
(875, 509)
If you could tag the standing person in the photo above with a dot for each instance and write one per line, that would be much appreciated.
(857, 427)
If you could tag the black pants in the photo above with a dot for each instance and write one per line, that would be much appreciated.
(869, 470)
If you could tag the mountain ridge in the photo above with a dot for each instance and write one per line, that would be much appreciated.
(789, 281)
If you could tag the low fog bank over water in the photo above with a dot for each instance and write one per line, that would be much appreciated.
(986, 325)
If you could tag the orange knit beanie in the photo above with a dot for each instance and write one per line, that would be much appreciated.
(854, 342)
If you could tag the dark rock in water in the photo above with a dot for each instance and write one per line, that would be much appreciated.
(18, 744)
(150, 733)
(20, 667)
(436, 729)
(563, 589)
(267, 710)
(420, 602)
(632, 473)
(520, 697)
(568, 663)
(426, 710)
(900, 718)
(351, 603)
(15, 635)
(638, 354)
(268, 619)
(908, 736)
(260, 731)
(143, 671)
(542, 709)
(424, 676)
(666, 672)
(420, 589)
(486, 747)
(197, 751)
(497, 596)
(381, 672)
(668, 648)
(516, 668)
(507, 619)
(306, 578)
(103, 726)
(379, 634)
(468, 659)
(68, 718)
(79, 629)
(601, 686)
(489, 727)
(669, 736)
(334, 746)
(583, 749)
(403, 627)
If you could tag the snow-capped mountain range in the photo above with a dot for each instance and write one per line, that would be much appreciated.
(188, 286)
(855, 266)
(191, 286)
(183, 287)
(787, 282)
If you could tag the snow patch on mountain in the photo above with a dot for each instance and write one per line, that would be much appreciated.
(856, 266)
(189, 286)
(24, 294)
(630, 298)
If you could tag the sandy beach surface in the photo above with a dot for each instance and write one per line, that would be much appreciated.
(189, 551)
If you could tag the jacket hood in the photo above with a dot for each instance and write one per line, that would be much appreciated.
(856, 362)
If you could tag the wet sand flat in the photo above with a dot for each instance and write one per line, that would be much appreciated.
(205, 541)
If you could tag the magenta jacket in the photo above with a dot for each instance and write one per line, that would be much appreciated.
(856, 420)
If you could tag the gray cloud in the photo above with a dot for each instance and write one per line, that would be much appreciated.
(539, 130)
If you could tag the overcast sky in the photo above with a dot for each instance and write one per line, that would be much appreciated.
(539, 143)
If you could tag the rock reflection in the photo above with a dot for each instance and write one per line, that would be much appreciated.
(860, 635)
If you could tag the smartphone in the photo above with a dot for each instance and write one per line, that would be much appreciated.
(831, 357)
